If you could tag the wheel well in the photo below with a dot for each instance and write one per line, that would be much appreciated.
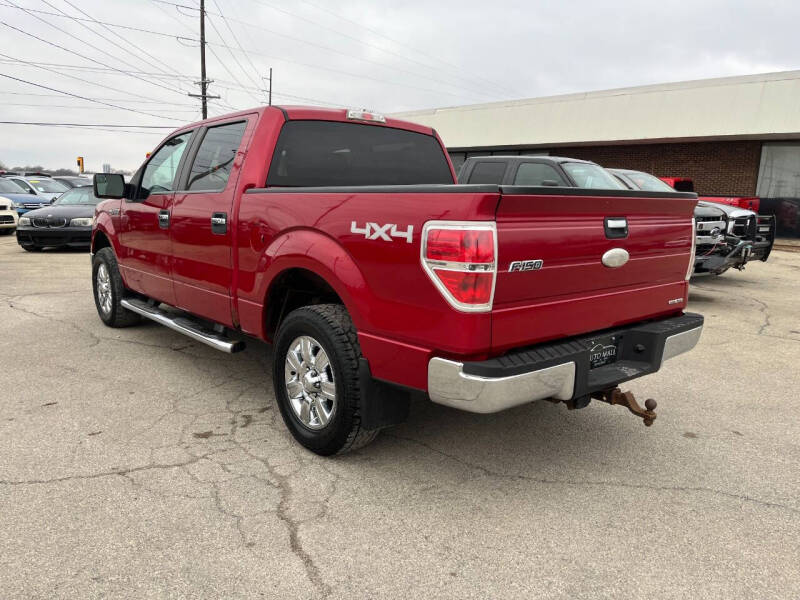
(294, 289)
(100, 241)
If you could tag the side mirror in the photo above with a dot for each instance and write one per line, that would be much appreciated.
(550, 183)
(109, 185)
(32, 191)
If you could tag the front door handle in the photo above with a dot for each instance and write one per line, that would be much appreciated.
(219, 223)
(163, 219)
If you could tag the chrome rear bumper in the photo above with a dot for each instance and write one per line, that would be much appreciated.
(483, 388)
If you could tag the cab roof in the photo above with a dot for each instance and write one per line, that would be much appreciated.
(313, 113)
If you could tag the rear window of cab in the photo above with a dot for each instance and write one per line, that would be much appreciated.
(331, 153)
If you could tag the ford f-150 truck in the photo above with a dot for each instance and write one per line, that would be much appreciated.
(341, 237)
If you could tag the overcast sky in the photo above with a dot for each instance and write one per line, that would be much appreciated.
(384, 55)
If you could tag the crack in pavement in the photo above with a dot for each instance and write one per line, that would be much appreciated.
(114, 473)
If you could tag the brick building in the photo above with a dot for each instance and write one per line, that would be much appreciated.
(732, 136)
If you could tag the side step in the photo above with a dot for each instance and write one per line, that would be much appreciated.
(183, 325)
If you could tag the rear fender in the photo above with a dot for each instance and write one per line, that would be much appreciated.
(326, 258)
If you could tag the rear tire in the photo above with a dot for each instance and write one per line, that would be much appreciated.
(318, 346)
(109, 291)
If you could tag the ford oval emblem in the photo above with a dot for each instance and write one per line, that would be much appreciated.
(616, 257)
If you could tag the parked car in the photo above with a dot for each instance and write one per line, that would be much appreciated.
(65, 223)
(72, 181)
(8, 216)
(340, 237)
(727, 236)
(18, 199)
(548, 171)
(43, 187)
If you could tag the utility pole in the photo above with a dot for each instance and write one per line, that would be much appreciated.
(269, 91)
(203, 83)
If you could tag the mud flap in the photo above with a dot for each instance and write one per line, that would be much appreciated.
(382, 404)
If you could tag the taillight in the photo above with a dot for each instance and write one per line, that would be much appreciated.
(690, 269)
(460, 257)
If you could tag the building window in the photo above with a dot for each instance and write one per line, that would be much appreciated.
(779, 185)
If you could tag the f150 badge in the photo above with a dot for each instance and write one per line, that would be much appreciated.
(525, 265)
(373, 231)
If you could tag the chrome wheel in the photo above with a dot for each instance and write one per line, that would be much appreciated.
(104, 288)
(310, 384)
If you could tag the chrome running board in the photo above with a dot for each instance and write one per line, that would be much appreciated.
(183, 325)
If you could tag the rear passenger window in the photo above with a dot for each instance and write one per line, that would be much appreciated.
(487, 172)
(537, 174)
(214, 160)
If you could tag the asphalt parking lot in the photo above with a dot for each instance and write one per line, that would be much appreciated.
(137, 463)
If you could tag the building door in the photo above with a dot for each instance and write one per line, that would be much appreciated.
(779, 186)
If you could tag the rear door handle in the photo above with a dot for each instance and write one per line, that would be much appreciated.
(616, 227)
(163, 219)
(219, 223)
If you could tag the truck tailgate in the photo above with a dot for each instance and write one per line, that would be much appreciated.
(552, 281)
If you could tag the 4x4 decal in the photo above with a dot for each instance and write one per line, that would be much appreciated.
(373, 231)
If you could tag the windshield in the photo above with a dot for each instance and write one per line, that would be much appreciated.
(75, 181)
(9, 187)
(48, 186)
(647, 182)
(590, 176)
(81, 195)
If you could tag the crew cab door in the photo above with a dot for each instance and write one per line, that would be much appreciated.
(202, 223)
(145, 221)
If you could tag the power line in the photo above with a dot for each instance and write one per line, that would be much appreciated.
(182, 24)
(33, 94)
(329, 48)
(448, 73)
(44, 67)
(116, 25)
(107, 125)
(450, 65)
(353, 56)
(81, 55)
(195, 40)
(138, 48)
(222, 84)
(86, 42)
(225, 66)
(85, 98)
(238, 43)
(84, 107)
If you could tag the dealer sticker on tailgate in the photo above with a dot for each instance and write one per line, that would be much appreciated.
(603, 351)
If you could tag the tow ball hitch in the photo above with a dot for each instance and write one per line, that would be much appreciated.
(617, 396)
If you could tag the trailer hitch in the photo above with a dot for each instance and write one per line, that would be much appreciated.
(617, 396)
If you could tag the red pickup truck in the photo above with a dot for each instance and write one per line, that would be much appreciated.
(686, 184)
(341, 238)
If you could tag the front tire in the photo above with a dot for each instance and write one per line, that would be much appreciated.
(109, 291)
(315, 375)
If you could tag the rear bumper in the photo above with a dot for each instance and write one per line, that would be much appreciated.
(75, 237)
(560, 370)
